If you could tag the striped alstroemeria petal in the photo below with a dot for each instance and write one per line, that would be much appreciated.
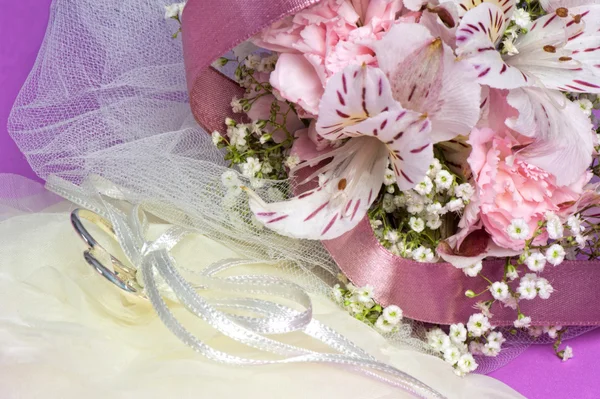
(507, 7)
(425, 77)
(476, 37)
(352, 96)
(564, 140)
(352, 182)
(559, 54)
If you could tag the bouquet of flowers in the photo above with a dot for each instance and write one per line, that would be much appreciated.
(451, 131)
(427, 166)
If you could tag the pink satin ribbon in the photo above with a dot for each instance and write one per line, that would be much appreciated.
(435, 292)
(210, 29)
(427, 292)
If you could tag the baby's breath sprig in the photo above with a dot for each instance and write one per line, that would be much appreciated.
(174, 11)
(412, 223)
(359, 302)
(262, 148)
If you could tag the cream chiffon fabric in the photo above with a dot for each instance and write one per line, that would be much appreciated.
(66, 333)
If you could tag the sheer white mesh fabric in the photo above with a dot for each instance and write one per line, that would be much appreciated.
(107, 96)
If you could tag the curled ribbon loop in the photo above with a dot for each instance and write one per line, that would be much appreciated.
(152, 258)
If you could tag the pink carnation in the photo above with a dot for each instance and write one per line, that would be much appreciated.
(510, 188)
(322, 40)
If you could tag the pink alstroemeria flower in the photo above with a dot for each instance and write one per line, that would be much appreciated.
(561, 51)
(358, 104)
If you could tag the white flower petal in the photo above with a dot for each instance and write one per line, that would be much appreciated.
(479, 31)
(425, 77)
(353, 182)
(564, 139)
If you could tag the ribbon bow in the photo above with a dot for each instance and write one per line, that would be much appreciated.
(151, 258)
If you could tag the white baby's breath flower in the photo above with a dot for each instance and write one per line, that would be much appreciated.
(400, 200)
(554, 226)
(292, 161)
(414, 203)
(376, 223)
(251, 167)
(383, 325)
(478, 324)
(490, 350)
(518, 229)
(390, 189)
(495, 338)
(535, 262)
(474, 269)
(388, 204)
(544, 288)
(458, 333)
(464, 191)
(552, 331)
(392, 236)
(423, 255)
(392, 314)
(509, 47)
(417, 224)
(567, 354)
(522, 18)
(499, 290)
(389, 177)
(522, 322)
(455, 205)
(434, 222)
(511, 273)
(574, 223)
(451, 355)
(529, 277)
(555, 254)
(467, 363)
(527, 290)
(252, 61)
(438, 339)
(443, 180)
(424, 187)
(434, 168)
(581, 240)
(256, 128)
(174, 10)
(434, 208)
(364, 294)
(585, 105)
(216, 137)
(236, 105)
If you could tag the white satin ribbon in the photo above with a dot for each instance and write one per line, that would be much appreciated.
(152, 258)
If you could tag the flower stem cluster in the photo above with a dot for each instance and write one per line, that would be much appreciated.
(360, 304)
(252, 146)
(412, 223)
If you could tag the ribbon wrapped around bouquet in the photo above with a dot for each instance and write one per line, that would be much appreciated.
(430, 292)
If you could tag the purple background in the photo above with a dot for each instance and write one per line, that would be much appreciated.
(536, 374)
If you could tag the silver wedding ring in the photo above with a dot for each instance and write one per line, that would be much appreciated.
(96, 256)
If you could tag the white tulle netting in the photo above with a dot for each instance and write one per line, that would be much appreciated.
(107, 96)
